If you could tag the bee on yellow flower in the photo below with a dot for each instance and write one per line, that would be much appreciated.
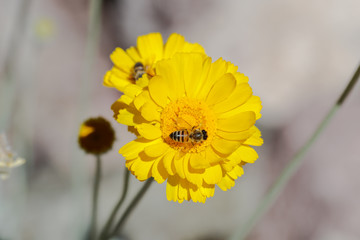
(191, 95)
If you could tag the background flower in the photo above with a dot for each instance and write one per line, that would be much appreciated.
(8, 158)
(96, 135)
(190, 92)
(136, 64)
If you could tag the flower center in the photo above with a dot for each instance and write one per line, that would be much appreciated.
(188, 125)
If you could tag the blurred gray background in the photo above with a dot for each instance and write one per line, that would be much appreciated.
(299, 56)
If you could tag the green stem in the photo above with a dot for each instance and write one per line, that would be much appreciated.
(109, 222)
(8, 84)
(131, 207)
(293, 165)
(95, 198)
(82, 106)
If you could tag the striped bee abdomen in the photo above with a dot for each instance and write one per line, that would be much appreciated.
(180, 136)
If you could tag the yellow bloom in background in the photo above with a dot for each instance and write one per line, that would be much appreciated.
(195, 125)
(96, 136)
(45, 28)
(134, 67)
(8, 159)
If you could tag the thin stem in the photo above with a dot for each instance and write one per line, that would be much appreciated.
(109, 222)
(131, 207)
(293, 165)
(82, 106)
(95, 198)
(9, 84)
(91, 49)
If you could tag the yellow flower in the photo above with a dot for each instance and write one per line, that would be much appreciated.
(45, 28)
(8, 158)
(195, 124)
(96, 136)
(134, 67)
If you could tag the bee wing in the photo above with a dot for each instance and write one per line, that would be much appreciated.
(183, 124)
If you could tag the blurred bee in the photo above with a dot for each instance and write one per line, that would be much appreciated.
(139, 70)
(195, 135)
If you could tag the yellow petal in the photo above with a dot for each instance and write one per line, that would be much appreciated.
(221, 89)
(169, 71)
(253, 104)
(192, 175)
(231, 68)
(237, 123)
(238, 97)
(197, 196)
(116, 78)
(142, 169)
(211, 73)
(148, 131)
(184, 187)
(134, 54)
(132, 90)
(141, 99)
(150, 112)
(158, 171)
(190, 69)
(179, 164)
(236, 136)
(126, 117)
(241, 78)
(175, 43)
(172, 189)
(122, 60)
(213, 174)
(224, 146)
(119, 104)
(207, 190)
(246, 154)
(255, 139)
(232, 160)
(226, 183)
(132, 149)
(227, 165)
(150, 46)
(157, 149)
(198, 160)
(143, 81)
(193, 47)
(85, 130)
(168, 160)
(212, 157)
(159, 91)
(237, 171)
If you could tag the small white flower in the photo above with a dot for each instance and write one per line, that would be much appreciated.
(8, 159)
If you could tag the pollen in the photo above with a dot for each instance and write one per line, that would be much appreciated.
(188, 114)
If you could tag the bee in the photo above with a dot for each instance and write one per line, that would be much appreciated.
(195, 135)
(138, 71)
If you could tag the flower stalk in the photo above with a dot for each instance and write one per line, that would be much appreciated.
(293, 165)
(95, 198)
(130, 208)
(109, 222)
(91, 49)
